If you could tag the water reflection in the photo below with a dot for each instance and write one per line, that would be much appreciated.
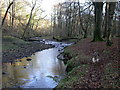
(34, 73)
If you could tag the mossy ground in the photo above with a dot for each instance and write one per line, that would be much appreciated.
(9, 42)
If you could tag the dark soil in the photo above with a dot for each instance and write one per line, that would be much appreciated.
(23, 51)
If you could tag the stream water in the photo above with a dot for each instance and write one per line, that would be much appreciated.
(42, 70)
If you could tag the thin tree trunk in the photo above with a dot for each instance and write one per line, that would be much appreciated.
(13, 12)
(6, 13)
(27, 25)
(106, 20)
(114, 27)
(54, 25)
(0, 17)
(81, 23)
(110, 17)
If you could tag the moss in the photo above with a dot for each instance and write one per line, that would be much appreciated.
(68, 51)
(73, 76)
(55, 78)
(67, 82)
(77, 60)
(9, 42)
(77, 70)
(70, 65)
(13, 40)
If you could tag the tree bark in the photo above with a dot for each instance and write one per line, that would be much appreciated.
(98, 19)
(110, 17)
(81, 22)
(84, 27)
(13, 12)
(6, 13)
(106, 20)
(0, 17)
(27, 25)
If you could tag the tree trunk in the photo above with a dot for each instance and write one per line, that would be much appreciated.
(54, 24)
(27, 25)
(69, 21)
(106, 20)
(114, 27)
(85, 34)
(6, 13)
(98, 19)
(0, 17)
(13, 12)
(81, 23)
(110, 17)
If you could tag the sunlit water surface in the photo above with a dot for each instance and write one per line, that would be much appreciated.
(41, 70)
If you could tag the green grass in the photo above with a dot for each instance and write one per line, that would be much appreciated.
(9, 42)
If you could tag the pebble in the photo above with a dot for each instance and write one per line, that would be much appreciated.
(28, 59)
(3, 73)
(24, 66)
(20, 60)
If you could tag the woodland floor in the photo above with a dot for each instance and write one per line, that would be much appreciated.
(83, 73)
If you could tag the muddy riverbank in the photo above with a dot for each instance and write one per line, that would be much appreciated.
(23, 51)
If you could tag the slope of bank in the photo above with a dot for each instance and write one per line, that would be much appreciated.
(83, 72)
(14, 48)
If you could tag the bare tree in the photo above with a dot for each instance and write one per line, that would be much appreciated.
(13, 12)
(28, 23)
(6, 13)
(84, 26)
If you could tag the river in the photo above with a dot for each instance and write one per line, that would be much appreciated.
(41, 70)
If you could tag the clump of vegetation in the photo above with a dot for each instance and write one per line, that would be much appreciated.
(55, 78)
